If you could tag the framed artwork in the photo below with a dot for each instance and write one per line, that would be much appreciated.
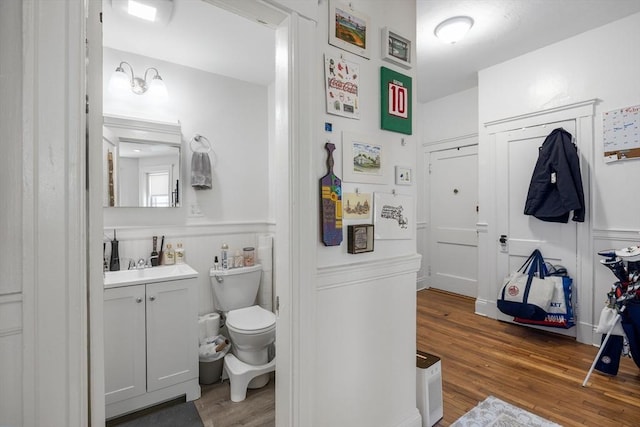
(362, 159)
(396, 99)
(348, 29)
(393, 216)
(360, 238)
(404, 176)
(396, 48)
(342, 79)
(356, 205)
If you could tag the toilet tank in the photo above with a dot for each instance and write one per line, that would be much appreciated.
(235, 288)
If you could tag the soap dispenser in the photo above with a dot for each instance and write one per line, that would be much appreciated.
(169, 255)
(179, 254)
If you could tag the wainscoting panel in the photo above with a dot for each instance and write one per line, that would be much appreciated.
(11, 357)
(366, 334)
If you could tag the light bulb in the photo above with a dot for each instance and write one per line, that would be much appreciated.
(119, 83)
(157, 89)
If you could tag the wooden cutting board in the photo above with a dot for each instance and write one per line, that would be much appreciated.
(331, 203)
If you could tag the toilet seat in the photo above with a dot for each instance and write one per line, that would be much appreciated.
(251, 320)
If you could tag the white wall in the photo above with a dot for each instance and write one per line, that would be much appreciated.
(234, 116)
(596, 64)
(365, 303)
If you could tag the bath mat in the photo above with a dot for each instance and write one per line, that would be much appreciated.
(181, 414)
(493, 412)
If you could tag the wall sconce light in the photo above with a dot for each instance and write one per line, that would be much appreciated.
(452, 30)
(121, 81)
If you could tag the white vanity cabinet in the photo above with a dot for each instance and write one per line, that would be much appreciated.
(151, 342)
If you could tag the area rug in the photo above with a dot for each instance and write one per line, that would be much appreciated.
(493, 412)
(182, 414)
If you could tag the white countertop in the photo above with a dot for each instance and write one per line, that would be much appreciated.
(163, 273)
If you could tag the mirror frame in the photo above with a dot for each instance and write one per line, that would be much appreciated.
(128, 129)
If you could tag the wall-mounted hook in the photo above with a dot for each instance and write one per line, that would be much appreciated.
(403, 142)
(394, 192)
(357, 191)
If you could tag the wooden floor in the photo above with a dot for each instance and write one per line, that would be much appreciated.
(537, 371)
(257, 410)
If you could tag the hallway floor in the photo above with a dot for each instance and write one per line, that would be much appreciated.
(538, 371)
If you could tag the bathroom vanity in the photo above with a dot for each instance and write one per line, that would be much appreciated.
(150, 337)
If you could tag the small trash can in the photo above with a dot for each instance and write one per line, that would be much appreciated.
(211, 355)
(429, 388)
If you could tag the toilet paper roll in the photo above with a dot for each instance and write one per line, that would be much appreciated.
(208, 326)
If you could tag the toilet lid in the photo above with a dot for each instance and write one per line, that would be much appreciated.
(254, 318)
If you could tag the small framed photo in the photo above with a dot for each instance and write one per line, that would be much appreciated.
(403, 176)
(360, 238)
(363, 159)
(396, 48)
(348, 29)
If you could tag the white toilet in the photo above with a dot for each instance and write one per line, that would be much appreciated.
(251, 328)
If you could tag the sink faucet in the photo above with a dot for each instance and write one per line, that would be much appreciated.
(142, 263)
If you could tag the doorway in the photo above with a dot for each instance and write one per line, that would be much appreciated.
(453, 201)
(516, 157)
(284, 44)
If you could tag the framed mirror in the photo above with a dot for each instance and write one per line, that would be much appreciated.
(141, 161)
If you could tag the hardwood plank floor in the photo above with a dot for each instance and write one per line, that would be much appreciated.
(538, 371)
(217, 410)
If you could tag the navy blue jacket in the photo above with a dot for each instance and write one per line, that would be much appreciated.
(556, 183)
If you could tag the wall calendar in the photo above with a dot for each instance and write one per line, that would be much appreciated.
(621, 134)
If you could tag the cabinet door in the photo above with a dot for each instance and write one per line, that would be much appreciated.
(124, 343)
(172, 333)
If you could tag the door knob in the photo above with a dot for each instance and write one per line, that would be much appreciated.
(152, 298)
(503, 239)
(138, 300)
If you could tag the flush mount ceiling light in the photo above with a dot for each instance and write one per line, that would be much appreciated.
(121, 81)
(159, 11)
(453, 29)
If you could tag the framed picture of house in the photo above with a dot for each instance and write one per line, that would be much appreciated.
(363, 159)
(349, 29)
(396, 48)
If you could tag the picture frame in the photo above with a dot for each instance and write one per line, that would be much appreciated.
(357, 206)
(342, 79)
(393, 216)
(348, 29)
(404, 176)
(363, 159)
(396, 99)
(360, 238)
(396, 48)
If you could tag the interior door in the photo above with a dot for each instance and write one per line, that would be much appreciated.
(516, 156)
(454, 214)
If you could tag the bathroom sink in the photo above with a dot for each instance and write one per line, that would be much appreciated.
(163, 273)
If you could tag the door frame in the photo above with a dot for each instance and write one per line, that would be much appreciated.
(488, 243)
(295, 252)
(424, 275)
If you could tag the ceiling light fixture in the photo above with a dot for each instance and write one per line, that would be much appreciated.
(452, 30)
(156, 11)
(121, 80)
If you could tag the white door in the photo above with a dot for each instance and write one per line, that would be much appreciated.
(516, 156)
(172, 335)
(125, 373)
(454, 213)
